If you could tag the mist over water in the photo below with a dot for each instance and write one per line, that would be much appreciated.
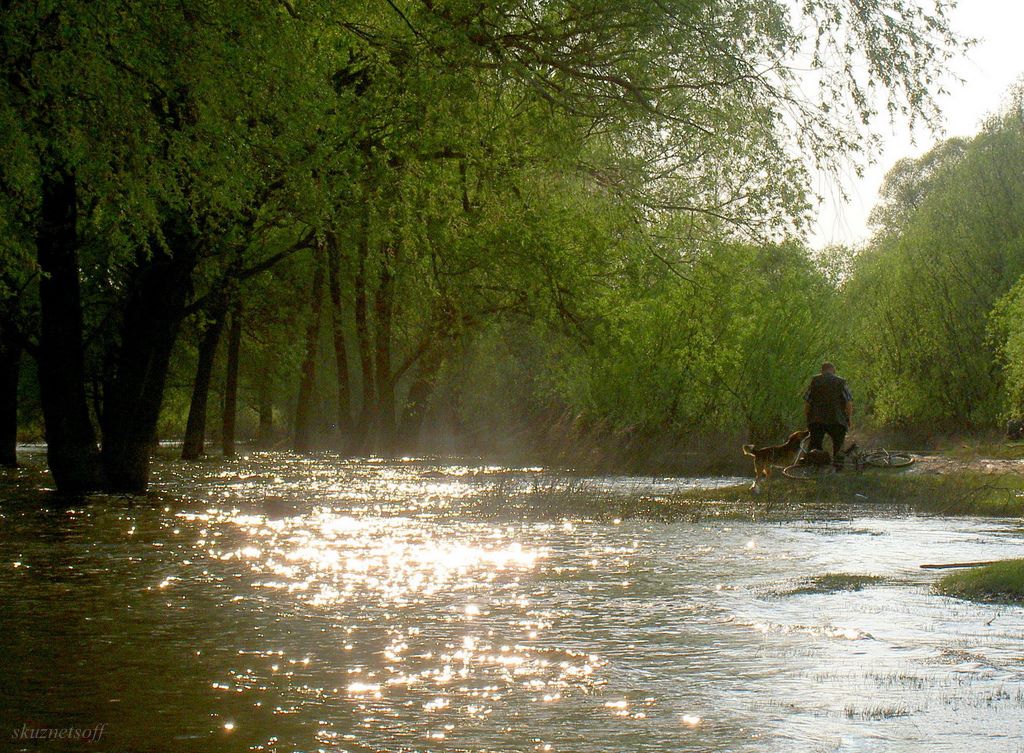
(295, 604)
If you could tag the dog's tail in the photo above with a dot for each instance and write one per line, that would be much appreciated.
(748, 449)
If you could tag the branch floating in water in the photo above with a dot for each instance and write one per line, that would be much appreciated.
(959, 564)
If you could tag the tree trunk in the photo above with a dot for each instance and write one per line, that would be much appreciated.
(418, 400)
(10, 363)
(383, 309)
(195, 428)
(265, 399)
(152, 316)
(70, 437)
(303, 441)
(369, 396)
(340, 351)
(231, 383)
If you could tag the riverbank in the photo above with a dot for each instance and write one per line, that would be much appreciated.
(932, 487)
(568, 443)
(590, 449)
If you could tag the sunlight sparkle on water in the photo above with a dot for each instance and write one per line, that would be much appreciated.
(380, 605)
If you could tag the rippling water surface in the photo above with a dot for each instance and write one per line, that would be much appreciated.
(292, 604)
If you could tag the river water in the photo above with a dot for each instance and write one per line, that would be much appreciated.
(289, 604)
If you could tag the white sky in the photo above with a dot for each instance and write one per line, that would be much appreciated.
(988, 70)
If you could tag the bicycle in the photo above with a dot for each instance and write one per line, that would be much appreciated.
(853, 458)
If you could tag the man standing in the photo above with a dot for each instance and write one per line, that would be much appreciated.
(828, 407)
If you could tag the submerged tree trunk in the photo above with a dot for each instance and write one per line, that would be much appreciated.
(70, 437)
(303, 441)
(340, 351)
(150, 323)
(231, 383)
(195, 429)
(10, 363)
(418, 399)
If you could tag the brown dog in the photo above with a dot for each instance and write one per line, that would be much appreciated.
(780, 454)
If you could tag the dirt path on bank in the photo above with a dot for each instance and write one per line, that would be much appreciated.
(939, 463)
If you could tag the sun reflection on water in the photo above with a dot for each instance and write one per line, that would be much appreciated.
(416, 604)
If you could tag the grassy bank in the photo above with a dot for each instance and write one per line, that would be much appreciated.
(962, 493)
(1000, 582)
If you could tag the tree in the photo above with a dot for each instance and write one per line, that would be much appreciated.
(921, 296)
(162, 143)
(131, 168)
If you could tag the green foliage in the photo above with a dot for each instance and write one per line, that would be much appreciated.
(950, 246)
(608, 180)
(728, 347)
(1007, 334)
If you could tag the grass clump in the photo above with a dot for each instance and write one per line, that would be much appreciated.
(833, 582)
(1000, 582)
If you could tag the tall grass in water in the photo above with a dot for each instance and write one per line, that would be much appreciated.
(554, 498)
(962, 493)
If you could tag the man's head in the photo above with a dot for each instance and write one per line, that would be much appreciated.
(828, 368)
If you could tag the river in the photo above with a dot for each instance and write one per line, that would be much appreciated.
(280, 603)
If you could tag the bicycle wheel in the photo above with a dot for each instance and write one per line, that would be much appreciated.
(808, 472)
(886, 459)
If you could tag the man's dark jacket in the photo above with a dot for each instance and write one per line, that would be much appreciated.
(827, 396)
